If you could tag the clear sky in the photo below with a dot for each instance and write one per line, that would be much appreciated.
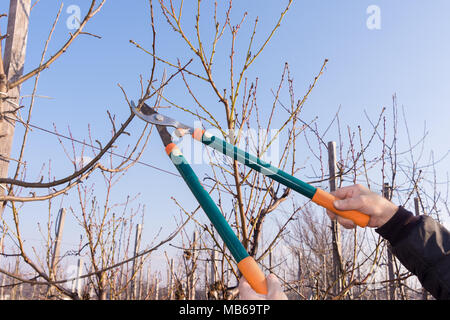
(407, 56)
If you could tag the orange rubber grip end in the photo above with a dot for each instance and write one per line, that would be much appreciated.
(253, 274)
(198, 134)
(325, 199)
(170, 147)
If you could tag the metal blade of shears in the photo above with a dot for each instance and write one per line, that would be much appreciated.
(160, 120)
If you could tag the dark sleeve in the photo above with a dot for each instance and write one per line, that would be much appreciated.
(423, 246)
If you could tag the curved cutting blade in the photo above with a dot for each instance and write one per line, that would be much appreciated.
(159, 119)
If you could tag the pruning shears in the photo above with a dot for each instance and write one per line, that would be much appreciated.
(246, 264)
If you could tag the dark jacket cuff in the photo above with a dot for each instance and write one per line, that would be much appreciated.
(399, 226)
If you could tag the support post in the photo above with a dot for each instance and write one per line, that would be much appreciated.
(171, 281)
(193, 278)
(58, 236)
(136, 264)
(77, 284)
(213, 275)
(156, 287)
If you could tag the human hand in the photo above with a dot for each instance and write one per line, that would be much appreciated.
(274, 290)
(358, 197)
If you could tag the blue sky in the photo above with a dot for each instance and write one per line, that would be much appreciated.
(408, 56)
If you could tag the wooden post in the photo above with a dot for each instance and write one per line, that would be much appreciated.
(335, 228)
(59, 230)
(147, 283)
(193, 280)
(213, 275)
(11, 69)
(156, 287)
(78, 282)
(139, 286)
(171, 281)
(137, 242)
(390, 263)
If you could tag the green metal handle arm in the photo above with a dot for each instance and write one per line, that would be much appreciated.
(317, 195)
(246, 264)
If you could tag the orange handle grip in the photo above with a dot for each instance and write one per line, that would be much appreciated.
(325, 199)
(253, 274)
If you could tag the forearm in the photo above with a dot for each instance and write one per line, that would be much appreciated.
(423, 246)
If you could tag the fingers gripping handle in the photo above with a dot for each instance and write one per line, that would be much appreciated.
(253, 274)
(325, 199)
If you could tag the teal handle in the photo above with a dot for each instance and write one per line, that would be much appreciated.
(209, 207)
(259, 165)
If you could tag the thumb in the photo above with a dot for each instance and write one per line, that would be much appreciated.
(272, 283)
(274, 290)
(246, 292)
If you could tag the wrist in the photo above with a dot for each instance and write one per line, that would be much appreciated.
(399, 226)
(388, 212)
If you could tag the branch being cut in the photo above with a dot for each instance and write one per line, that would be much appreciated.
(76, 173)
(99, 155)
(50, 195)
